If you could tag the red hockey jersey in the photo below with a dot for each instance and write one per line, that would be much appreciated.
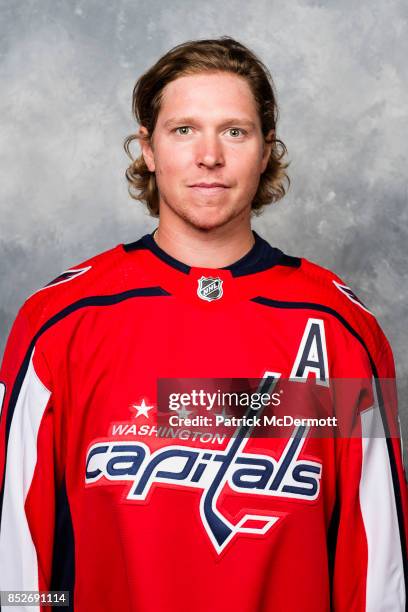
(94, 502)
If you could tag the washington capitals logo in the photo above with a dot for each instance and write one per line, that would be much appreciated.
(210, 471)
(209, 288)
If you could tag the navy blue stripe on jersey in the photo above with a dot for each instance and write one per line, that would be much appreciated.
(332, 535)
(393, 465)
(64, 277)
(96, 300)
(147, 242)
(63, 560)
(261, 257)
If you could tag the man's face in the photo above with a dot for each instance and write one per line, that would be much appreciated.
(207, 149)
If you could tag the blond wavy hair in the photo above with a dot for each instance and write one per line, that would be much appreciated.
(196, 56)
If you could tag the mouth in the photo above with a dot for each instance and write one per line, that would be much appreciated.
(209, 188)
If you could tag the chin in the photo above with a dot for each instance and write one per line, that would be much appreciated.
(205, 216)
(207, 220)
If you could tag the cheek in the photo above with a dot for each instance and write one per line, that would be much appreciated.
(248, 167)
(171, 163)
(247, 155)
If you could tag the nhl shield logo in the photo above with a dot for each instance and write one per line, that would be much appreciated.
(209, 288)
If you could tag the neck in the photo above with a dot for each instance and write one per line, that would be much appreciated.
(214, 248)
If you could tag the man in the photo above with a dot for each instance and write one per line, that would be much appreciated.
(94, 502)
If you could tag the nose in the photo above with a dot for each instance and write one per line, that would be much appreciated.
(209, 152)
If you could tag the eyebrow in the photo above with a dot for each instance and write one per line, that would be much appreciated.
(229, 121)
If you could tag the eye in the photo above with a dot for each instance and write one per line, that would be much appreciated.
(183, 130)
(235, 132)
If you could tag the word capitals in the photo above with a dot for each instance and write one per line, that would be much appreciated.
(209, 471)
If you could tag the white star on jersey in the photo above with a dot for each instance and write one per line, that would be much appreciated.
(183, 413)
(142, 409)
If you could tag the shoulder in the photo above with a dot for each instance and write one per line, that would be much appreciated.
(336, 296)
(98, 275)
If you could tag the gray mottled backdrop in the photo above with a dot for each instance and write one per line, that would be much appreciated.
(67, 72)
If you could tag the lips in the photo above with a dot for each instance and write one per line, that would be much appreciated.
(209, 190)
(209, 185)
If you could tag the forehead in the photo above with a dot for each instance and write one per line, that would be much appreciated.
(208, 94)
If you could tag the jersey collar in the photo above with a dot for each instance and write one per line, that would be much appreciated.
(259, 258)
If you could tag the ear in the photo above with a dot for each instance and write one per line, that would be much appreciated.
(267, 148)
(147, 150)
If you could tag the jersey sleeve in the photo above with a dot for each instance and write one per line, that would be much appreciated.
(27, 463)
(371, 517)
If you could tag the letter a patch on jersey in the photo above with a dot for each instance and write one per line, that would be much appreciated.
(312, 354)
